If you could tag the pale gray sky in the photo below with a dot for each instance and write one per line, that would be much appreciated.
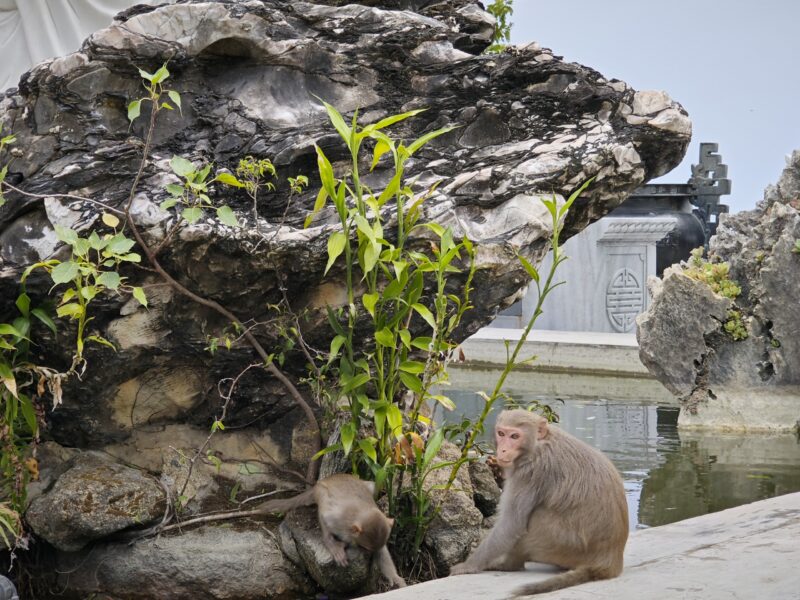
(733, 64)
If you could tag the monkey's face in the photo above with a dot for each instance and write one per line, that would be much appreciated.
(511, 441)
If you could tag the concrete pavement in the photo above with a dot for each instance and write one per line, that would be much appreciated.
(749, 552)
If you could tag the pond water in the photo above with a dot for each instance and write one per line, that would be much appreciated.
(669, 475)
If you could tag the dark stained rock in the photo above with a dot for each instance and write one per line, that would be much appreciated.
(92, 499)
(212, 562)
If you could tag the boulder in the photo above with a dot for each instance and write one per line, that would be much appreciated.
(486, 492)
(528, 125)
(723, 383)
(212, 562)
(93, 498)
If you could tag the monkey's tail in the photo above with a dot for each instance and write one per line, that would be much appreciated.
(285, 504)
(562, 580)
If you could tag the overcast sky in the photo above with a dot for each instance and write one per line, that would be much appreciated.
(733, 64)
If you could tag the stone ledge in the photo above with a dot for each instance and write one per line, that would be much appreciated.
(750, 551)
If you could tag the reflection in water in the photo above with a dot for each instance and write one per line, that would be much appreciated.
(668, 475)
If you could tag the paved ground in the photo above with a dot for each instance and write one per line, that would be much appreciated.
(587, 352)
(749, 552)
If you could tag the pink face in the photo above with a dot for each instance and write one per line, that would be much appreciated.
(510, 441)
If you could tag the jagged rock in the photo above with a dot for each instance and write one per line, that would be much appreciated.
(752, 383)
(529, 123)
(301, 540)
(212, 562)
(486, 492)
(92, 499)
(456, 527)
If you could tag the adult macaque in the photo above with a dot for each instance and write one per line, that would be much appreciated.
(347, 515)
(563, 503)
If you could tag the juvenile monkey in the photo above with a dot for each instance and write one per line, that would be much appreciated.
(347, 515)
(563, 503)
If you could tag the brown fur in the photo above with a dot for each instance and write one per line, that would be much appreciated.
(347, 514)
(563, 504)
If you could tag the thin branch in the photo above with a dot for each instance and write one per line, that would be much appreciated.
(63, 196)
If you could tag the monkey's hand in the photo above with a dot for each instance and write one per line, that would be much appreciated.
(339, 555)
(463, 569)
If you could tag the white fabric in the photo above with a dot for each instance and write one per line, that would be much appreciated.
(34, 30)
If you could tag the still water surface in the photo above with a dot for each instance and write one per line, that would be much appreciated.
(669, 475)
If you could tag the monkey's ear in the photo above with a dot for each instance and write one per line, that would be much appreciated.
(356, 529)
(541, 429)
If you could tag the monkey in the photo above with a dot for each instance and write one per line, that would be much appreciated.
(347, 514)
(563, 504)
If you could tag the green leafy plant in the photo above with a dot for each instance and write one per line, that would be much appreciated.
(714, 275)
(192, 193)
(735, 326)
(796, 247)
(92, 270)
(6, 140)
(501, 10)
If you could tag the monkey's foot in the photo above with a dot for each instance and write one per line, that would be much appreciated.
(339, 555)
(463, 569)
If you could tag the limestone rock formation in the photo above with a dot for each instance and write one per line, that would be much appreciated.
(529, 125)
(752, 383)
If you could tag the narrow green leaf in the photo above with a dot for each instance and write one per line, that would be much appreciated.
(426, 314)
(381, 148)
(384, 337)
(405, 337)
(102, 341)
(338, 122)
(424, 139)
(327, 450)
(368, 448)
(336, 345)
(24, 304)
(412, 366)
(44, 318)
(432, 447)
(348, 435)
(226, 215)
(6, 329)
(229, 179)
(444, 401)
(574, 196)
(529, 267)
(386, 122)
(145, 75)
(28, 413)
(355, 382)
(411, 381)
(322, 196)
(394, 418)
(325, 172)
(336, 244)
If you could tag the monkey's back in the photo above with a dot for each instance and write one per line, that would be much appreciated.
(583, 504)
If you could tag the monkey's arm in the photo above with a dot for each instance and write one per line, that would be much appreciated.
(388, 569)
(511, 525)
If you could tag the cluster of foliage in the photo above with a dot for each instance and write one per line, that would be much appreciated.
(501, 10)
(387, 389)
(716, 277)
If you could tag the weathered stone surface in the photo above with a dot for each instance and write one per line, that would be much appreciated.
(752, 383)
(212, 562)
(672, 333)
(93, 498)
(486, 492)
(301, 540)
(530, 124)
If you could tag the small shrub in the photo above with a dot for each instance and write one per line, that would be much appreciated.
(714, 275)
(734, 325)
